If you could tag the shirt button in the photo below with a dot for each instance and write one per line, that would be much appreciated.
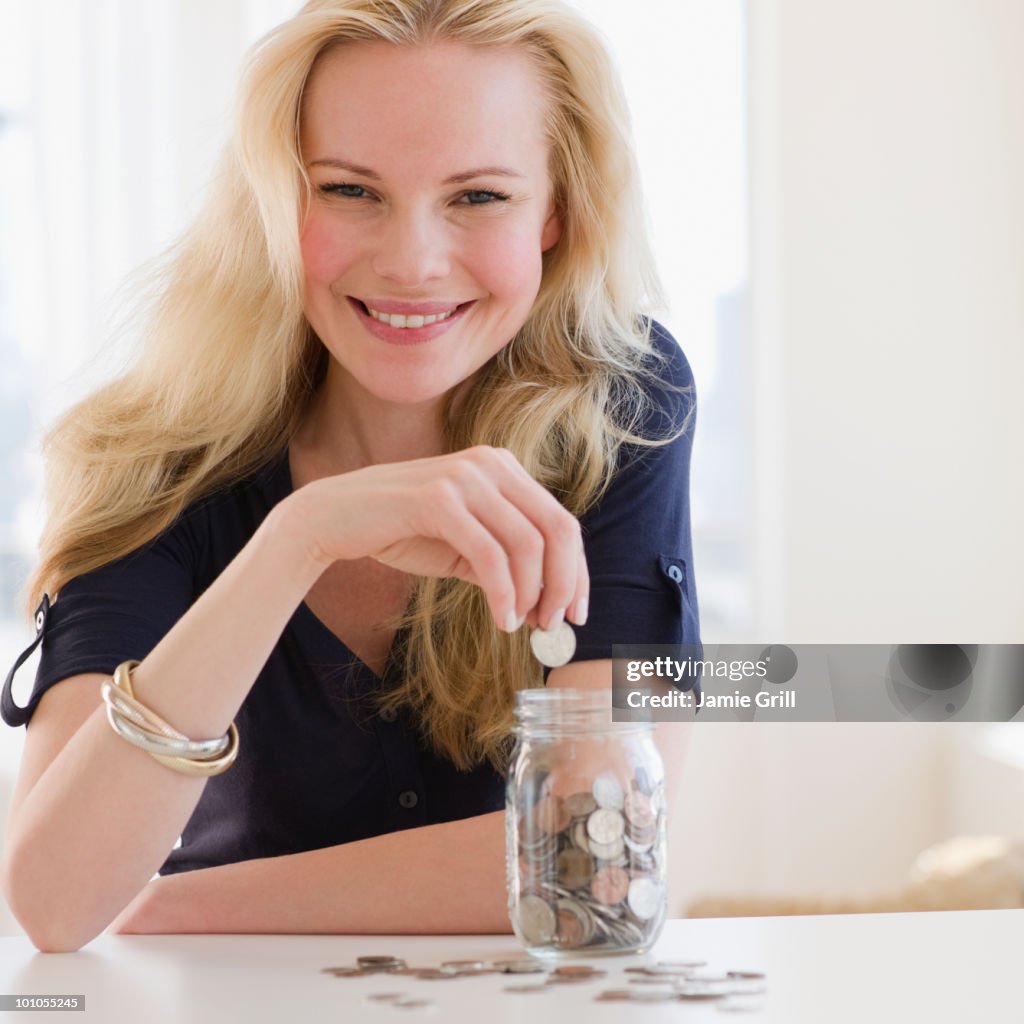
(388, 715)
(408, 799)
(675, 573)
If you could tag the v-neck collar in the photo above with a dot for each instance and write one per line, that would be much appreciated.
(275, 484)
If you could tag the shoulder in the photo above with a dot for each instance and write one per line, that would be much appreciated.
(669, 356)
(218, 524)
(203, 537)
(669, 402)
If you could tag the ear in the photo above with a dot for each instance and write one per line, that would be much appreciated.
(552, 230)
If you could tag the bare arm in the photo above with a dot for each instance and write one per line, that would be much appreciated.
(102, 817)
(437, 879)
(94, 817)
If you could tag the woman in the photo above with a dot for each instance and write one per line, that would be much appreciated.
(397, 400)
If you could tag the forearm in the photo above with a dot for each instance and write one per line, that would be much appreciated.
(104, 815)
(437, 879)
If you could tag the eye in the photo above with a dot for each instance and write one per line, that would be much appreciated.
(483, 197)
(346, 190)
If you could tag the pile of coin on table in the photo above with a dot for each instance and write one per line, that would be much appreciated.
(666, 981)
(590, 866)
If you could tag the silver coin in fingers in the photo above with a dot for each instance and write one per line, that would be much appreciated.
(554, 647)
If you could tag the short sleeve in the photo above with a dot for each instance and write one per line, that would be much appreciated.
(117, 612)
(638, 539)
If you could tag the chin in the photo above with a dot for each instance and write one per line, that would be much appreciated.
(409, 392)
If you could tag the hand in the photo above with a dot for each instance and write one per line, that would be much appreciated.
(476, 515)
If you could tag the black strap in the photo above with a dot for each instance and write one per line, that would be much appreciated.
(12, 714)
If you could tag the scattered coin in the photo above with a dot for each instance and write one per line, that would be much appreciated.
(614, 995)
(379, 961)
(554, 647)
(665, 981)
(578, 971)
(519, 966)
(647, 995)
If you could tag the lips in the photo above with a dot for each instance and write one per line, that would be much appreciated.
(407, 323)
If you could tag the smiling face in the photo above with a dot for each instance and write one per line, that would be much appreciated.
(432, 206)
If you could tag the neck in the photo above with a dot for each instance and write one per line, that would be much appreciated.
(348, 428)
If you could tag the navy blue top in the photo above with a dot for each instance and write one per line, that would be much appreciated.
(316, 767)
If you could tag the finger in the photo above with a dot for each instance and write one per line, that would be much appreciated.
(580, 606)
(541, 538)
(521, 540)
(563, 558)
(487, 561)
(563, 571)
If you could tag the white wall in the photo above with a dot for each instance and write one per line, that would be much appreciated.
(887, 143)
(888, 222)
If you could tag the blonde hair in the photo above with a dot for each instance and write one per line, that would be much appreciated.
(230, 362)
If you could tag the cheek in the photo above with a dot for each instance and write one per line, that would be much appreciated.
(508, 264)
(324, 253)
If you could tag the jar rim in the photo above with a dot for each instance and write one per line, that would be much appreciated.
(570, 708)
(564, 694)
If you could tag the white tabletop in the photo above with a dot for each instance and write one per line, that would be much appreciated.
(928, 967)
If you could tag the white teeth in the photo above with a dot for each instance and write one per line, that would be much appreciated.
(413, 320)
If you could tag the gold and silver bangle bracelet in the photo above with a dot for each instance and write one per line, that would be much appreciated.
(132, 709)
(157, 732)
(190, 766)
(170, 741)
(137, 732)
(185, 765)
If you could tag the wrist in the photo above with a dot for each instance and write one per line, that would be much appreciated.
(294, 523)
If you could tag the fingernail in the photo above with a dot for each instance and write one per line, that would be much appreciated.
(556, 619)
(512, 623)
(581, 611)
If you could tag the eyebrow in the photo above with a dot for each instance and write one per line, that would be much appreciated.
(455, 179)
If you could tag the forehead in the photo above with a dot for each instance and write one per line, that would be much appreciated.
(382, 105)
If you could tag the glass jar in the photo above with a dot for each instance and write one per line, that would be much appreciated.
(585, 827)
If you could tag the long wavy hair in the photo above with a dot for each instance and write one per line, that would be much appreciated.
(229, 363)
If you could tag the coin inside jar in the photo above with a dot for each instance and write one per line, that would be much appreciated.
(553, 647)
(610, 885)
(575, 868)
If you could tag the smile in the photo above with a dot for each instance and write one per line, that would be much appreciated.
(410, 319)
(409, 323)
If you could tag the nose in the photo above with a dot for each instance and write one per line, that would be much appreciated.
(412, 249)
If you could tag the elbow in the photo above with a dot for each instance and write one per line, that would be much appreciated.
(47, 931)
